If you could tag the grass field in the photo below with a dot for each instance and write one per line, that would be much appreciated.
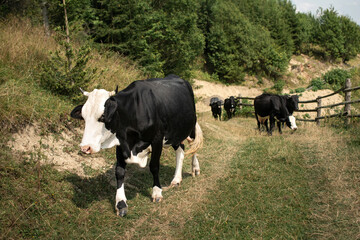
(292, 186)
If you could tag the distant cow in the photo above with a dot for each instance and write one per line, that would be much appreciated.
(140, 120)
(269, 107)
(229, 106)
(292, 104)
(215, 104)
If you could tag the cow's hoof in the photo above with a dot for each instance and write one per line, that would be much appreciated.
(195, 172)
(174, 184)
(122, 212)
(157, 199)
(121, 209)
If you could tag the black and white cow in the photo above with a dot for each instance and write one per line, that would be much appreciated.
(140, 120)
(292, 104)
(230, 106)
(215, 104)
(273, 108)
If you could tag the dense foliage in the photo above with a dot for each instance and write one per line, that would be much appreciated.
(230, 37)
(334, 79)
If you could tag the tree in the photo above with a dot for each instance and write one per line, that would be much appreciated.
(351, 33)
(161, 35)
(329, 34)
(236, 46)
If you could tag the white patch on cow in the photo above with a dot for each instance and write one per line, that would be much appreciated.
(140, 158)
(156, 194)
(110, 142)
(262, 119)
(120, 195)
(179, 164)
(96, 136)
(164, 143)
(292, 120)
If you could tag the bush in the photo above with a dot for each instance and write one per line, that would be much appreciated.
(279, 86)
(300, 90)
(66, 72)
(245, 111)
(317, 84)
(336, 78)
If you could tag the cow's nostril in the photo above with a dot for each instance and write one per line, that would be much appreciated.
(86, 149)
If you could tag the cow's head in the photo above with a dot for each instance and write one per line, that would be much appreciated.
(291, 123)
(96, 136)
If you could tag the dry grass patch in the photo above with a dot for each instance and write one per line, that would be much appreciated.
(22, 44)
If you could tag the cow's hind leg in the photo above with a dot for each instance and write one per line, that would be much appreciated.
(195, 166)
(154, 169)
(179, 164)
(120, 199)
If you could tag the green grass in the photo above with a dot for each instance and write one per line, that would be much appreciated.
(265, 195)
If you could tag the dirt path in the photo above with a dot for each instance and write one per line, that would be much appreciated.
(222, 141)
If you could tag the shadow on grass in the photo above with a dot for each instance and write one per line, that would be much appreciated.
(137, 181)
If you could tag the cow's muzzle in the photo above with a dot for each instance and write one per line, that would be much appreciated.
(86, 149)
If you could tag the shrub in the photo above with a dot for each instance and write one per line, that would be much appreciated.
(278, 86)
(300, 90)
(317, 84)
(245, 111)
(66, 71)
(336, 78)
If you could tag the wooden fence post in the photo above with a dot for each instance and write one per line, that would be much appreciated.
(347, 107)
(239, 101)
(318, 110)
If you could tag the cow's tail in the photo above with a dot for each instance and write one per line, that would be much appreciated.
(197, 143)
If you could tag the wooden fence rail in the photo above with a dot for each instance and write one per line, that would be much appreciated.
(347, 109)
(347, 89)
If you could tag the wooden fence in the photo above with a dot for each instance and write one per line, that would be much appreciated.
(347, 109)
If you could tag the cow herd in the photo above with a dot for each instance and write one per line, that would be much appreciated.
(155, 113)
(269, 108)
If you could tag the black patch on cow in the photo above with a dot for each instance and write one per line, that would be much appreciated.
(122, 207)
(110, 109)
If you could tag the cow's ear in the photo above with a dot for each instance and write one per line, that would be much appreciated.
(110, 109)
(76, 112)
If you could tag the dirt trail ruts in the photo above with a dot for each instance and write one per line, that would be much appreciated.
(222, 142)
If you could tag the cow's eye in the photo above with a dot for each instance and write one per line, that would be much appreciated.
(102, 118)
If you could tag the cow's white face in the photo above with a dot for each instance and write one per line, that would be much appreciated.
(292, 122)
(96, 136)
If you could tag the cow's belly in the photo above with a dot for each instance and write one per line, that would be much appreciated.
(139, 158)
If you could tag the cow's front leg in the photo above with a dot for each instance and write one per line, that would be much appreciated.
(154, 169)
(179, 164)
(120, 199)
(272, 125)
(279, 126)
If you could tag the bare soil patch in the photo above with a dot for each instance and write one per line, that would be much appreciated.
(60, 151)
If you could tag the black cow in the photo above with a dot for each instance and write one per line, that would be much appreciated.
(273, 107)
(140, 119)
(215, 104)
(230, 106)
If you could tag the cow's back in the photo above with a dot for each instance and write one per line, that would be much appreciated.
(166, 105)
(263, 105)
